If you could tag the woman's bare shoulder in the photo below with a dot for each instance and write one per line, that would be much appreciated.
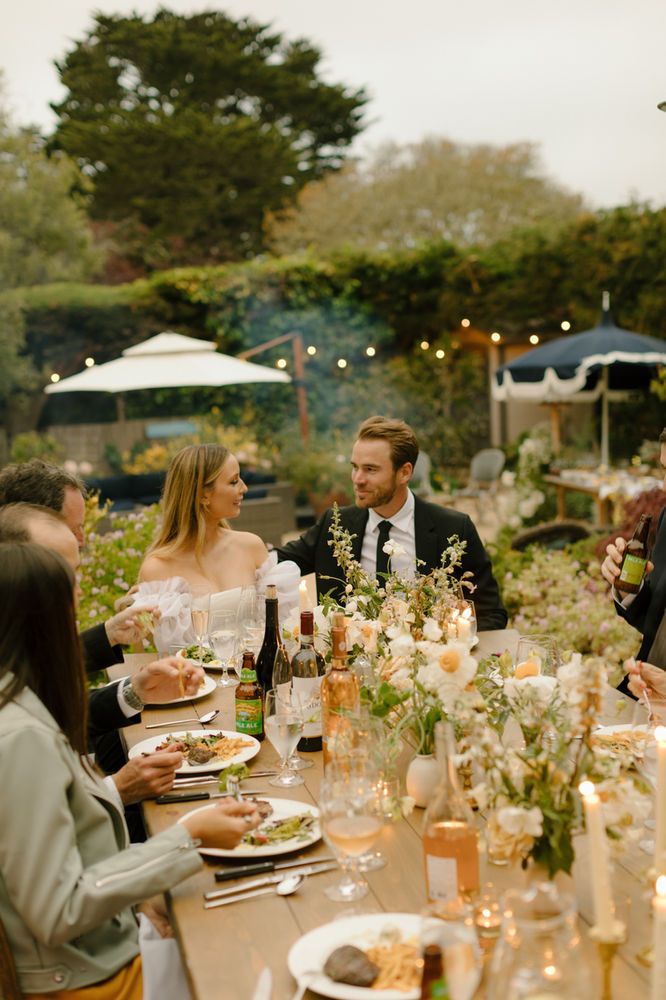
(155, 567)
(251, 544)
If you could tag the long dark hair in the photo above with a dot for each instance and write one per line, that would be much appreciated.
(39, 643)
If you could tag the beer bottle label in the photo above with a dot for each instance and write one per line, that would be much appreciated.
(633, 569)
(249, 716)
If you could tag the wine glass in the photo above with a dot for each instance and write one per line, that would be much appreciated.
(301, 703)
(250, 620)
(539, 650)
(351, 816)
(222, 633)
(284, 728)
(199, 612)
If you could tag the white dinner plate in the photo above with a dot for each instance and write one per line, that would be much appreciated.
(206, 688)
(282, 808)
(311, 951)
(216, 764)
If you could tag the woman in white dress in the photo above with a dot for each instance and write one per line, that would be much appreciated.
(202, 493)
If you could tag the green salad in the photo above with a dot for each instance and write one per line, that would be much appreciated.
(192, 653)
(277, 831)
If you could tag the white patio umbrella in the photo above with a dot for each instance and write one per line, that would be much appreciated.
(168, 360)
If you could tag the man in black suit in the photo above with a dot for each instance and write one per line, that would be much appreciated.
(383, 460)
(646, 609)
(118, 704)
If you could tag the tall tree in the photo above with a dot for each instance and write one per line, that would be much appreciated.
(435, 189)
(195, 126)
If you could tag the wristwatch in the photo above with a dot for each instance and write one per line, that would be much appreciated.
(131, 697)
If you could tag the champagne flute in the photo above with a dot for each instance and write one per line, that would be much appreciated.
(199, 612)
(250, 619)
(352, 820)
(284, 728)
(222, 632)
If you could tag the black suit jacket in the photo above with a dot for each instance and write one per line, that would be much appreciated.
(433, 527)
(105, 714)
(98, 653)
(647, 609)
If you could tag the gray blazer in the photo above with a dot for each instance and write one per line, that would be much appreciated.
(68, 876)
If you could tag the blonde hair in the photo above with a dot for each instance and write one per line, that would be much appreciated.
(191, 472)
(399, 436)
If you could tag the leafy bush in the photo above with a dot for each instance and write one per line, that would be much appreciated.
(33, 445)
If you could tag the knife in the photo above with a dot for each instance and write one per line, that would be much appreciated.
(244, 892)
(313, 869)
(241, 871)
(169, 799)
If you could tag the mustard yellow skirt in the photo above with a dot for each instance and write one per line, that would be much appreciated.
(125, 985)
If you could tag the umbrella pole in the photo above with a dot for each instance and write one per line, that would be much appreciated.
(555, 427)
(120, 407)
(605, 456)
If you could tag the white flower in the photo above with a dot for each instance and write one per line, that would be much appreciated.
(431, 630)
(453, 660)
(518, 821)
(392, 548)
(536, 691)
(402, 645)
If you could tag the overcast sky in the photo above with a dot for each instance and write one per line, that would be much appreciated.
(582, 78)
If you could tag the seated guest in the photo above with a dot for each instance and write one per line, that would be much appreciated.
(202, 492)
(382, 462)
(68, 877)
(118, 704)
(38, 482)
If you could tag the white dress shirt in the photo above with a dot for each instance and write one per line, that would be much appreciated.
(402, 533)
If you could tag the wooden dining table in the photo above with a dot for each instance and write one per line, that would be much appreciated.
(224, 950)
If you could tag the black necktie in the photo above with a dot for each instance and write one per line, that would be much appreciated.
(382, 557)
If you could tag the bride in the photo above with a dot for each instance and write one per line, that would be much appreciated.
(202, 492)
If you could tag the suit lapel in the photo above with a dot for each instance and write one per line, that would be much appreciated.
(425, 537)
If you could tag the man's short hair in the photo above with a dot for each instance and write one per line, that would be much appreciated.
(399, 436)
(37, 482)
(16, 520)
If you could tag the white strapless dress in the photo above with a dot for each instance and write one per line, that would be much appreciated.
(174, 600)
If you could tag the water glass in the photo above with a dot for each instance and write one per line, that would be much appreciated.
(250, 620)
(284, 728)
(222, 634)
(541, 650)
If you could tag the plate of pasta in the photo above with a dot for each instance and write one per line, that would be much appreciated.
(392, 942)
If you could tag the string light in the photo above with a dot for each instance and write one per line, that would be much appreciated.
(565, 324)
(281, 362)
(440, 354)
(312, 350)
(424, 345)
(495, 337)
(55, 377)
(89, 362)
(464, 322)
(342, 363)
(534, 338)
(370, 351)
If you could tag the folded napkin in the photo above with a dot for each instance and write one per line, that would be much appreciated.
(264, 988)
(174, 600)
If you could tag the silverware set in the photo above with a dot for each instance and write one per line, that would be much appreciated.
(281, 884)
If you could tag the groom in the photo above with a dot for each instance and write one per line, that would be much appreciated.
(383, 460)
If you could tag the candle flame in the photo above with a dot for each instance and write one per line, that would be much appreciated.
(586, 788)
(467, 613)
(660, 734)
(660, 886)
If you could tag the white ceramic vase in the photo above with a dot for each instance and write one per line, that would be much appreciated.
(422, 777)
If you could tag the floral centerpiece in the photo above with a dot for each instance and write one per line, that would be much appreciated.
(528, 784)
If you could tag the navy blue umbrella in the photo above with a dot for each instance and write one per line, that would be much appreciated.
(605, 362)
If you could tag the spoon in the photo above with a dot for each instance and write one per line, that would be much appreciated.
(285, 887)
(208, 717)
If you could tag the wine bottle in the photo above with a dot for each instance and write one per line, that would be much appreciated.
(272, 641)
(307, 670)
(634, 560)
(340, 697)
(450, 838)
(249, 700)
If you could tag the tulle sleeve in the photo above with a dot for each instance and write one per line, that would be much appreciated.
(174, 600)
(286, 576)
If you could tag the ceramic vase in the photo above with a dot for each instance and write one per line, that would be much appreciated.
(422, 777)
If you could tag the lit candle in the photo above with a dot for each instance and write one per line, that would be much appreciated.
(303, 599)
(465, 625)
(659, 940)
(660, 832)
(598, 860)
(451, 626)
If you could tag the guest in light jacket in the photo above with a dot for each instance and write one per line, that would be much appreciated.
(68, 877)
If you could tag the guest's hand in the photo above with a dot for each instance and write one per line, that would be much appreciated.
(156, 911)
(610, 567)
(126, 627)
(147, 777)
(224, 825)
(160, 681)
(646, 678)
